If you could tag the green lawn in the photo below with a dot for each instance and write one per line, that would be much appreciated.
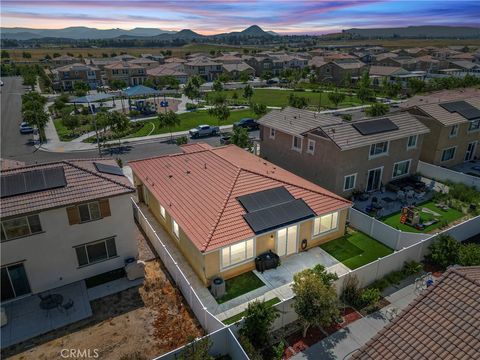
(190, 120)
(240, 285)
(272, 97)
(65, 134)
(356, 249)
(446, 217)
(237, 317)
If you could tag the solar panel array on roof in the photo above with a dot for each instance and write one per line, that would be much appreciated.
(463, 108)
(32, 181)
(108, 169)
(278, 216)
(264, 199)
(377, 126)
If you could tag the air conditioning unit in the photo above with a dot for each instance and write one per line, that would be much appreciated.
(218, 287)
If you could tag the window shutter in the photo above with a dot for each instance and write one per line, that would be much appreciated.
(104, 208)
(73, 215)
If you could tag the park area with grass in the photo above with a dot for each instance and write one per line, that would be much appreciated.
(279, 98)
(240, 285)
(428, 212)
(356, 249)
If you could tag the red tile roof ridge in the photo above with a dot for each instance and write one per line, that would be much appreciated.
(463, 271)
(224, 206)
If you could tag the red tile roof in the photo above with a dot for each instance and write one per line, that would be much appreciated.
(442, 323)
(84, 183)
(199, 188)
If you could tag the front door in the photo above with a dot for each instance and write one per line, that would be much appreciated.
(14, 282)
(287, 241)
(470, 151)
(374, 179)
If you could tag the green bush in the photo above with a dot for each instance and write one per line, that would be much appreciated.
(351, 292)
(380, 284)
(190, 106)
(411, 268)
(370, 297)
(181, 140)
(444, 251)
(347, 117)
(394, 277)
(469, 255)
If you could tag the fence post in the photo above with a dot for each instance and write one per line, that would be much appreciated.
(399, 238)
(378, 267)
(372, 224)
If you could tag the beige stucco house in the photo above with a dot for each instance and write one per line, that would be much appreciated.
(201, 197)
(342, 156)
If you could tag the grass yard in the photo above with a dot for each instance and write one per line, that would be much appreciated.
(279, 98)
(356, 249)
(189, 120)
(446, 218)
(237, 317)
(65, 134)
(240, 285)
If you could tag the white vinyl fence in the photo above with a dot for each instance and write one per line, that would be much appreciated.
(442, 174)
(208, 321)
(387, 235)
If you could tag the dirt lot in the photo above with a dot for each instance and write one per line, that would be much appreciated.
(151, 320)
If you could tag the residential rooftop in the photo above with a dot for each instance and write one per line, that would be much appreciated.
(200, 186)
(442, 323)
(82, 183)
(444, 116)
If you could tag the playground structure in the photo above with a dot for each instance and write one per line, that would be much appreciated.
(411, 216)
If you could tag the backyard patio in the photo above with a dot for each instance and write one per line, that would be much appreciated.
(469, 167)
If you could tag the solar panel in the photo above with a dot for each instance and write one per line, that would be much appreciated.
(264, 199)
(32, 181)
(109, 169)
(463, 108)
(377, 126)
(278, 216)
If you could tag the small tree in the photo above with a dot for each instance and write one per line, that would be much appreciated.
(5, 54)
(244, 77)
(70, 121)
(240, 137)
(258, 109)
(298, 102)
(259, 318)
(247, 92)
(220, 111)
(81, 88)
(377, 109)
(168, 120)
(469, 255)
(119, 123)
(192, 89)
(217, 85)
(117, 84)
(336, 97)
(315, 302)
(444, 251)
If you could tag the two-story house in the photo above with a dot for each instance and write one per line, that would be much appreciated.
(454, 130)
(342, 156)
(204, 67)
(224, 206)
(339, 71)
(63, 222)
(131, 74)
(68, 75)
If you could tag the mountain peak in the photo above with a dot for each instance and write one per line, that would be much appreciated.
(254, 30)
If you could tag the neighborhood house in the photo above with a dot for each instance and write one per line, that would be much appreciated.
(224, 206)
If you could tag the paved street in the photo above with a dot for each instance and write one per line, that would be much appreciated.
(14, 145)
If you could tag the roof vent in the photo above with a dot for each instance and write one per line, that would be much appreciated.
(188, 172)
(170, 176)
(205, 166)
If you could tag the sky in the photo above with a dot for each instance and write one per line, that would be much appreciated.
(212, 16)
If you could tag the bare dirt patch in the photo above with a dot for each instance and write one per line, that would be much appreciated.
(152, 320)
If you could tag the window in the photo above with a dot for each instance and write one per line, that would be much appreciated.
(379, 149)
(401, 168)
(21, 226)
(325, 223)
(448, 154)
(474, 125)
(311, 146)
(349, 182)
(96, 251)
(412, 142)
(14, 281)
(272, 133)
(237, 253)
(454, 131)
(176, 229)
(162, 211)
(89, 212)
(297, 143)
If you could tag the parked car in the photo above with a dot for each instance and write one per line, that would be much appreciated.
(26, 128)
(247, 123)
(204, 130)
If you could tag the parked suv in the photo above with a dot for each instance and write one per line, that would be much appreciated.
(204, 130)
(247, 123)
(26, 128)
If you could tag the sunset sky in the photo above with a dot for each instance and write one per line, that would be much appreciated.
(211, 16)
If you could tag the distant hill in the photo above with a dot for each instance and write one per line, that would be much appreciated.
(416, 32)
(77, 33)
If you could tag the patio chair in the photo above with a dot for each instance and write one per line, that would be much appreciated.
(400, 195)
(420, 196)
(410, 194)
(67, 306)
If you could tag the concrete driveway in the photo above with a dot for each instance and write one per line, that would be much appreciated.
(292, 264)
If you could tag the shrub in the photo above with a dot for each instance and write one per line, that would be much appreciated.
(190, 106)
(469, 255)
(411, 268)
(181, 140)
(370, 297)
(252, 353)
(444, 251)
(394, 277)
(351, 292)
(380, 284)
(347, 117)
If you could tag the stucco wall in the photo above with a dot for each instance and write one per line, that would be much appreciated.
(50, 259)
